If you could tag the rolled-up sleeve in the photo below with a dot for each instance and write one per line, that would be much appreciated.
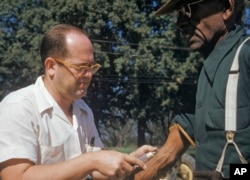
(186, 122)
(17, 134)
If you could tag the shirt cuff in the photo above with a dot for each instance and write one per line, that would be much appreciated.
(174, 126)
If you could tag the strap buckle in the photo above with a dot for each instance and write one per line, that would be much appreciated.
(230, 136)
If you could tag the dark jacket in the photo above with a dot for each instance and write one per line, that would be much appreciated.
(206, 126)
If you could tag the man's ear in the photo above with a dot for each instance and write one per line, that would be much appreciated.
(229, 10)
(49, 65)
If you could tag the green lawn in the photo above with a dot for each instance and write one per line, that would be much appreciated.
(123, 149)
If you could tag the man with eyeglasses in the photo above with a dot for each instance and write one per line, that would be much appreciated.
(220, 127)
(46, 128)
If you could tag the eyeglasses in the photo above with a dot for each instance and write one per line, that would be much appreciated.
(185, 9)
(80, 69)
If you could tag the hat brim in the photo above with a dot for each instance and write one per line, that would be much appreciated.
(168, 7)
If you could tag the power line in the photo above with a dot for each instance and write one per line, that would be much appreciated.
(133, 55)
(136, 44)
(141, 80)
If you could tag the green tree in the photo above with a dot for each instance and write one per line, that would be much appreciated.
(146, 73)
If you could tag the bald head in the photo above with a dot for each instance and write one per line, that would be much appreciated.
(54, 42)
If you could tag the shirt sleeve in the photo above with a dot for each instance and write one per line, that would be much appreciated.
(186, 122)
(18, 138)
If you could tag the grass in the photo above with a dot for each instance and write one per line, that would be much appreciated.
(122, 149)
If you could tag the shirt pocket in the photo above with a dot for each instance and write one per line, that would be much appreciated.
(215, 118)
(50, 155)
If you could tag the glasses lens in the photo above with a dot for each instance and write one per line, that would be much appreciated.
(185, 10)
(93, 69)
(82, 70)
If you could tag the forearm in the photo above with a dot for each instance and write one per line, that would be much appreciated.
(172, 149)
(175, 145)
(76, 168)
(166, 157)
(111, 164)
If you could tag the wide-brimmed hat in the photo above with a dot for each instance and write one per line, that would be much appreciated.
(172, 5)
(168, 7)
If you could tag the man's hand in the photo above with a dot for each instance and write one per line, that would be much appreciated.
(141, 151)
(156, 167)
(114, 164)
(165, 158)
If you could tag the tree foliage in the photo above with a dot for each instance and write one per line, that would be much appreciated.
(147, 75)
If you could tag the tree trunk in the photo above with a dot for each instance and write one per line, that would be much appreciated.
(141, 132)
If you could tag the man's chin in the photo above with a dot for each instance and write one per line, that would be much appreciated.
(81, 93)
(194, 46)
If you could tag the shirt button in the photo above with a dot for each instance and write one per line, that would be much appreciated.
(198, 104)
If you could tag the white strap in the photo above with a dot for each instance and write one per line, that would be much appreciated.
(231, 93)
(231, 109)
(230, 140)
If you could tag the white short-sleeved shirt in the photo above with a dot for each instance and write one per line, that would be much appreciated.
(33, 126)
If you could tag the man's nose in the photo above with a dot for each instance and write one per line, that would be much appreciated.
(89, 73)
(86, 74)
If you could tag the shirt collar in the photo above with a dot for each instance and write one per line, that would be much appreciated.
(43, 97)
(81, 105)
(216, 56)
(45, 100)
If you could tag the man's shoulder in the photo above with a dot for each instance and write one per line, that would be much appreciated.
(244, 45)
(20, 95)
(246, 40)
